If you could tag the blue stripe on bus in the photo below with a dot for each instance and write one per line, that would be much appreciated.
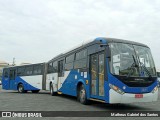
(15, 83)
(133, 90)
(71, 89)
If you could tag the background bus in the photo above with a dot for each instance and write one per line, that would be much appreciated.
(106, 70)
(158, 75)
(24, 78)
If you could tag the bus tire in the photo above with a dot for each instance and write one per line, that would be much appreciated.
(35, 91)
(51, 90)
(82, 96)
(21, 88)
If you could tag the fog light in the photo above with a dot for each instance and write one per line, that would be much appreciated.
(155, 89)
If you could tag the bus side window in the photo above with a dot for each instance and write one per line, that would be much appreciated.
(81, 59)
(5, 74)
(29, 70)
(37, 70)
(55, 67)
(50, 67)
(69, 62)
(20, 71)
(12, 74)
(61, 68)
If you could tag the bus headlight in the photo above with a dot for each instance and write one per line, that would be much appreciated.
(115, 88)
(155, 89)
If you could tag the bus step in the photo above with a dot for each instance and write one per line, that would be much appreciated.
(97, 100)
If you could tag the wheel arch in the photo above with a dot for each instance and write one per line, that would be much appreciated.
(79, 83)
(19, 84)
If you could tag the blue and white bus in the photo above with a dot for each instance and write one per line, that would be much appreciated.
(158, 75)
(106, 70)
(24, 78)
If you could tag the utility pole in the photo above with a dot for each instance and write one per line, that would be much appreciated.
(13, 64)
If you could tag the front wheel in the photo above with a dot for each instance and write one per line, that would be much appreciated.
(82, 96)
(21, 88)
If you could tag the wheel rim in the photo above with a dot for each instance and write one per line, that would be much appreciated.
(82, 95)
(20, 88)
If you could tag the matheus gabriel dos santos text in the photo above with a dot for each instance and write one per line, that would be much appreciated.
(134, 114)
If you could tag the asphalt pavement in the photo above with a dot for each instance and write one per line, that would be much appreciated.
(43, 101)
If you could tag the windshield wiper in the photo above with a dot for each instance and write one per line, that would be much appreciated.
(144, 67)
(132, 66)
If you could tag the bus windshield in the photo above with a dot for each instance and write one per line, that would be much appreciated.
(131, 60)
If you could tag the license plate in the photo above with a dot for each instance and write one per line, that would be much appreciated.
(138, 95)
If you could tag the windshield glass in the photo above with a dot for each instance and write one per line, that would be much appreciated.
(158, 74)
(145, 59)
(124, 60)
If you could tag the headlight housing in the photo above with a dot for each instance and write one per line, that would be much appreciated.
(155, 89)
(115, 88)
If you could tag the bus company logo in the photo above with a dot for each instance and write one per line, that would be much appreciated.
(6, 114)
(138, 79)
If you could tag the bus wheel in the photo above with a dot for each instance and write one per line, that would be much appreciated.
(21, 89)
(51, 90)
(82, 96)
(35, 91)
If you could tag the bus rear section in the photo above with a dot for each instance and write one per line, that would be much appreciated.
(24, 78)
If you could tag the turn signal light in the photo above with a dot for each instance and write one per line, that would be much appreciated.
(115, 88)
(155, 89)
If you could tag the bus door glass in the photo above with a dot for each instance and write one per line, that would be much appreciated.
(97, 75)
(5, 79)
(12, 76)
(60, 73)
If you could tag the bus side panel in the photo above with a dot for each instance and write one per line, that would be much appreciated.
(70, 81)
(29, 82)
(48, 80)
(65, 83)
(32, 82)
(52, 78)
(106, 91)
(5, 83)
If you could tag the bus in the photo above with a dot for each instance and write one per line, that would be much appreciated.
(158, 75)
(107, 70)
(24, 78)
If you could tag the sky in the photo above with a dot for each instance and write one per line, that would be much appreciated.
(35, 31)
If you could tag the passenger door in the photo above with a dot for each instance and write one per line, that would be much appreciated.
(5, 79)
(97, 75)
(12, 77)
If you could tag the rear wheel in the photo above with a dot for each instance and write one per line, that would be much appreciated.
(82, 96)
(21, 89)
(35, 91)
(51, 90)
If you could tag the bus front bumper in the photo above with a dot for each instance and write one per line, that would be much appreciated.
(115, 97)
